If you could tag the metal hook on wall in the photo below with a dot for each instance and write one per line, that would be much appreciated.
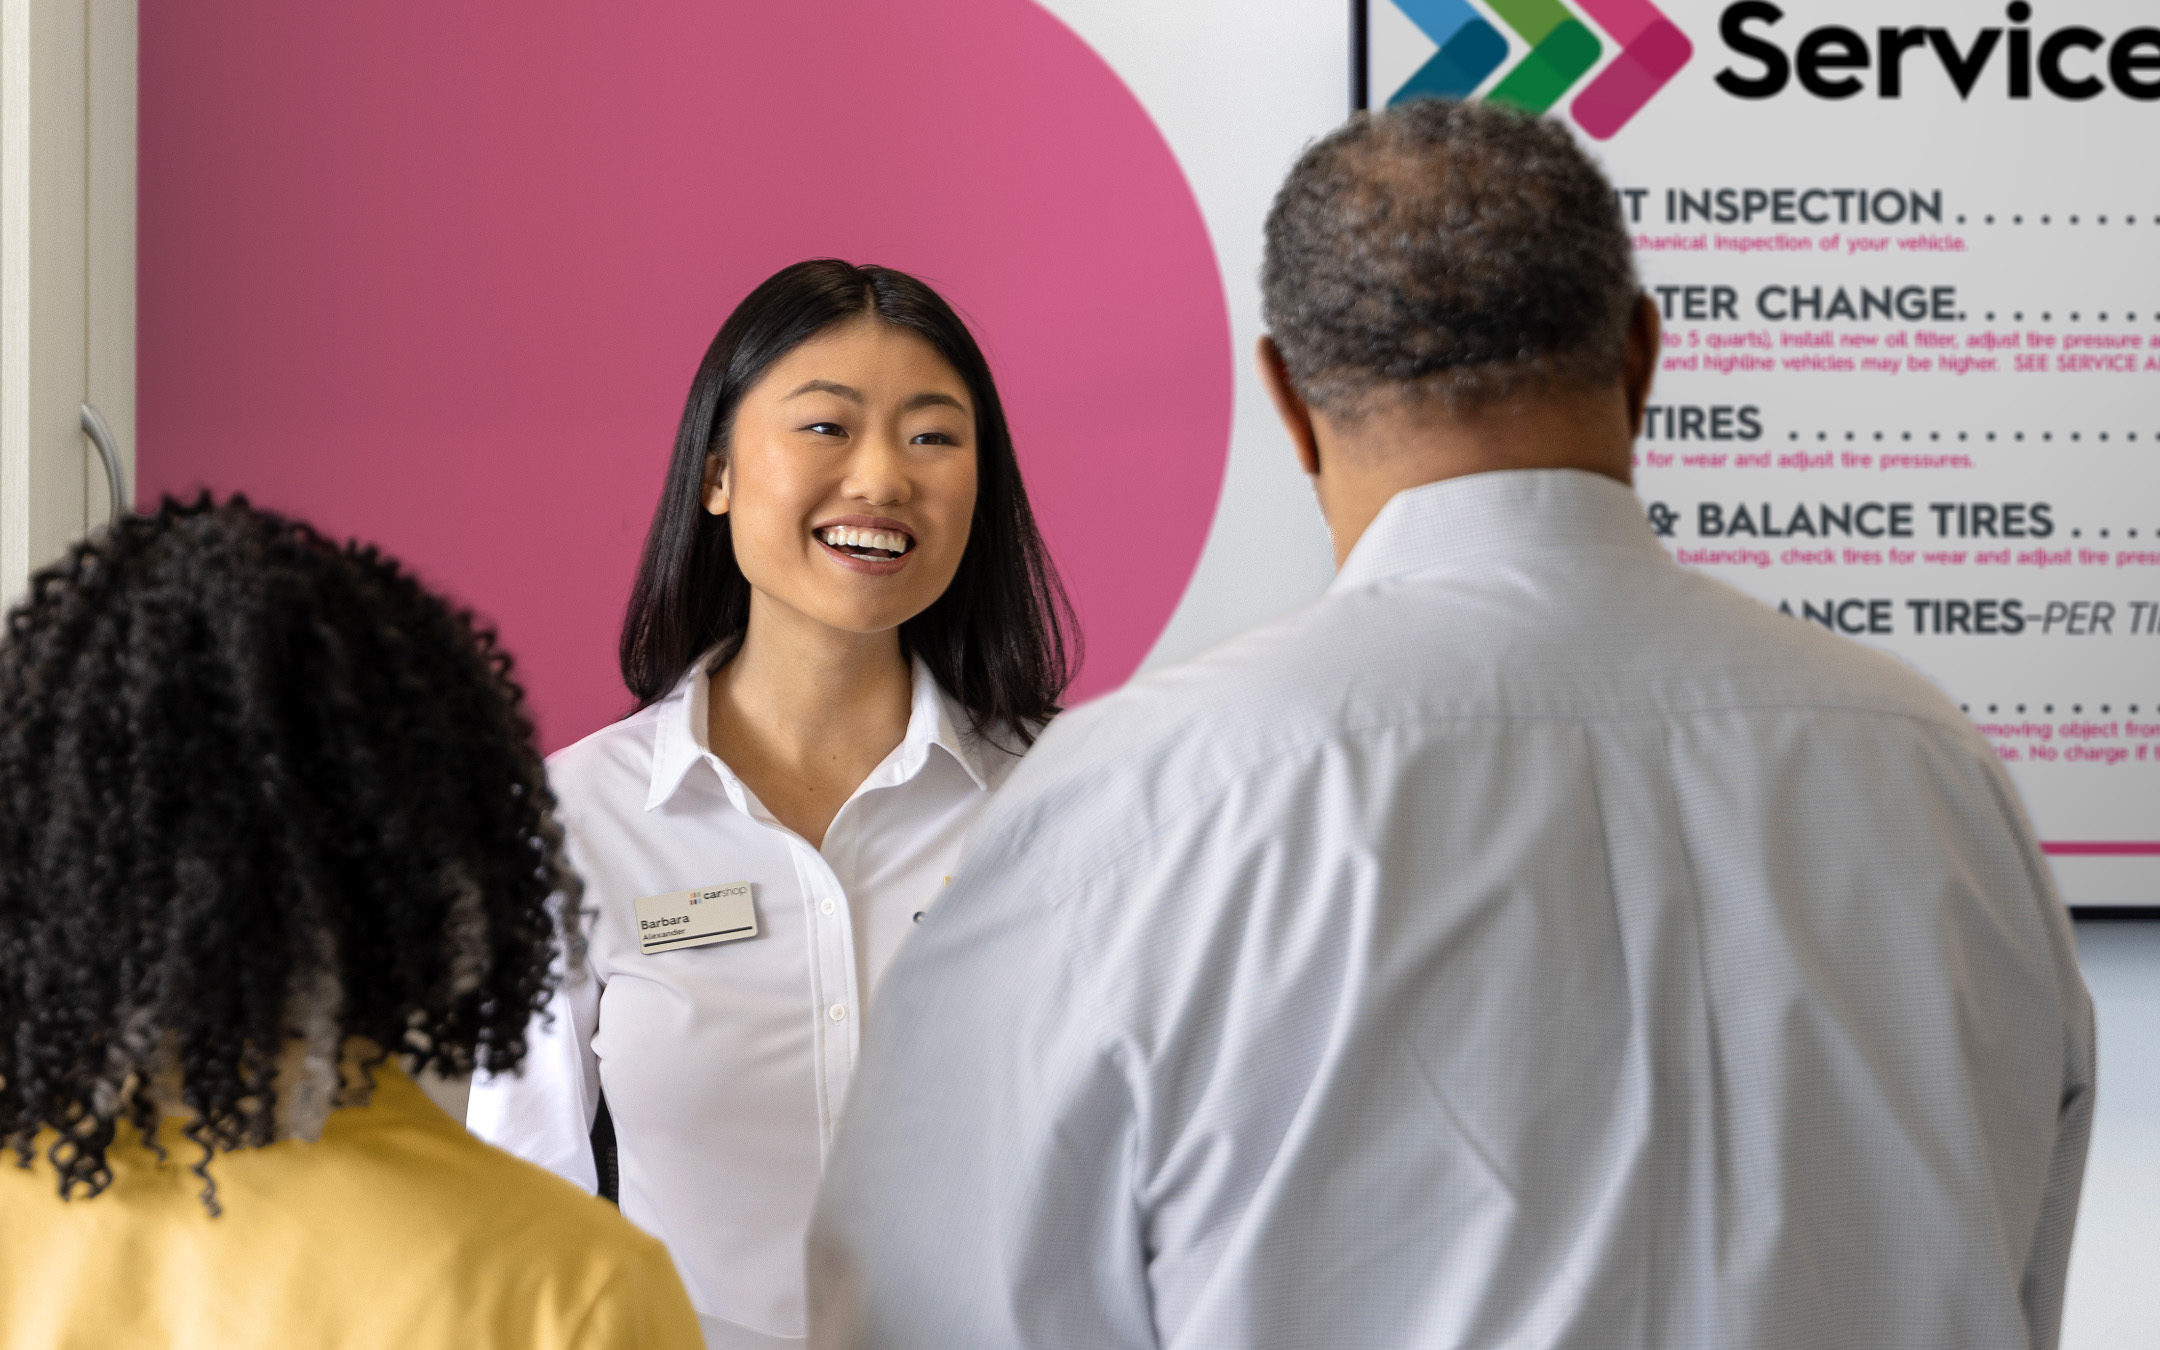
(101, 436)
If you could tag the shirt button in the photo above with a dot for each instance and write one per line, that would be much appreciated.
(828, 907)
(838, 1012)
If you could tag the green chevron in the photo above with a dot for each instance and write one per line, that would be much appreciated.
(1562, 51)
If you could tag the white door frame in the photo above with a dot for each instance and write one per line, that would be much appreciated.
(67, 269)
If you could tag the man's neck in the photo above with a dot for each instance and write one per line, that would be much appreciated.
(1365, 463)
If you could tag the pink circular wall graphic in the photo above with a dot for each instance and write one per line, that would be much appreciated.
(438, 275)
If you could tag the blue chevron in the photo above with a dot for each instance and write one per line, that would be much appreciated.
(1472, 52)
(1438, 19)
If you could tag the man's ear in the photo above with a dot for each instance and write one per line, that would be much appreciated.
(716, 485)
(1296, 416)
(1645, 342)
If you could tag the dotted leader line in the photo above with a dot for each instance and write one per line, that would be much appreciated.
(2076, 709)
(2049, 220)
(2015, 436)
(2046, 316)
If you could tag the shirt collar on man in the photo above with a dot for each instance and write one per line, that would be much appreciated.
(681, 735)
(1480, 518)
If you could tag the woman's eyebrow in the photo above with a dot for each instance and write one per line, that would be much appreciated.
(927, 398)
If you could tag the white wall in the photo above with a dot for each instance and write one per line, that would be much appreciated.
(1238, 89)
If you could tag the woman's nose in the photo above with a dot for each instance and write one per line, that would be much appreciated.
(877, 472)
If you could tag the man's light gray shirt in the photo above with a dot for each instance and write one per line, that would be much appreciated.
(1532, 943)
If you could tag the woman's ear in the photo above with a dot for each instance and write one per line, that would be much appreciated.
(716, 485)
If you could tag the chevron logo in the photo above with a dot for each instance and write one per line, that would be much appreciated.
(1563, 49)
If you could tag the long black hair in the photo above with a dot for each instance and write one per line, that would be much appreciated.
(255, 788)
(1001, 640)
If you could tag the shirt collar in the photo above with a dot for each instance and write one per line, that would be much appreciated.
(684, 724)
(1480, 518)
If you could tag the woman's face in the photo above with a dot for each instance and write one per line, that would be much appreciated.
(850, 477)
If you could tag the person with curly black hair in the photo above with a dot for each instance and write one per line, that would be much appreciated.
(274, 837)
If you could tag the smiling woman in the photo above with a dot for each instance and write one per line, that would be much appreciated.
(829, 481)
(997, 636)
(845, 630)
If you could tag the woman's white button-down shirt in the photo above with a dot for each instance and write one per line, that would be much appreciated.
(725, 1066)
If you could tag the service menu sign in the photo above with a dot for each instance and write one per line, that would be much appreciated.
(1908, 255)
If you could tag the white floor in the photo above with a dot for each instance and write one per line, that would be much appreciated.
(2114, 1298)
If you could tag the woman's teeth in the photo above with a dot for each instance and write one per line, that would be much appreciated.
(866, 543)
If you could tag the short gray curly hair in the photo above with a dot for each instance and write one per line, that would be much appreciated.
(1463, 252)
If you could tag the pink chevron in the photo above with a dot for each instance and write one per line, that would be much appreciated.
(1651, 53)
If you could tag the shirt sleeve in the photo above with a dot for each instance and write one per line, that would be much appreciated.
(2047, 1269)
(2047, 1263)
(982, 1189)
(543, 1111)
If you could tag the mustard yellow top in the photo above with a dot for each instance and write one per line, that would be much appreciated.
(397, 1230)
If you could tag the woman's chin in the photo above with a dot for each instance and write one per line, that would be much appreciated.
(864, 616)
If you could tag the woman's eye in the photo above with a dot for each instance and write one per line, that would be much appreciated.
(827, 428)
(932, 438)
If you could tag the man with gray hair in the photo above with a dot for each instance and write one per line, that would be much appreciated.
(1531, 943)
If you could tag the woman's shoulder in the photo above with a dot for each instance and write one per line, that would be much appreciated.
(525, 1251)
(466, 1245)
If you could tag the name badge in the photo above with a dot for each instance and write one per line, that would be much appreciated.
(696, 918)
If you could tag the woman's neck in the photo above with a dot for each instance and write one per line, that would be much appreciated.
(804, 712)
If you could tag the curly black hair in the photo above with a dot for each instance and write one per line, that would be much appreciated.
(255, 789)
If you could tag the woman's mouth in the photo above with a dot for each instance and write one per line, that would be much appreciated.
(864, 548)
(875, 545)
